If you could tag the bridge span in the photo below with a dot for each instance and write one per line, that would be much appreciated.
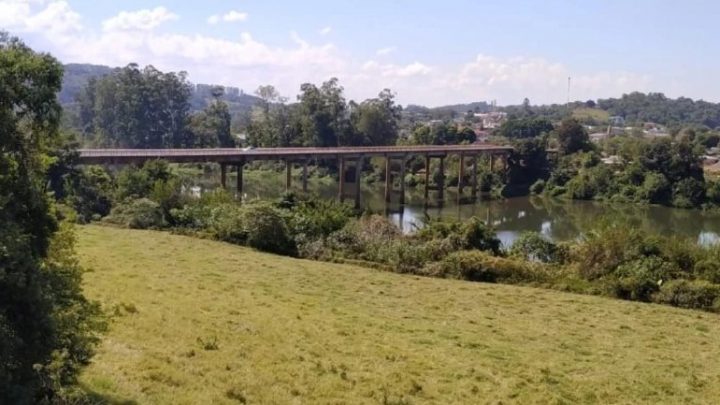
(344, 155)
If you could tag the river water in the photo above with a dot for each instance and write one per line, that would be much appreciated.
(556, 219)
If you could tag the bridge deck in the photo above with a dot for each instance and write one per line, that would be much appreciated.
(232, 155)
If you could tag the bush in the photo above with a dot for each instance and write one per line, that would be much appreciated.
(315, 218)
(265, 229)
(138, 214)
(225, 222)
(639, 279)
(473, 234)
(480, 266)
(690, 294)
(89, 191)
(538, 187)
(603, 250)
(534, 247)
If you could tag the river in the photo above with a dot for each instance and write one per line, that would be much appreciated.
(557, 219)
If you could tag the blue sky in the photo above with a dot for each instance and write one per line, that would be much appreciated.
(428, 52)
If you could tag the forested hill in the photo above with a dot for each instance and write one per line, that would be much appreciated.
(77, 76)
(636, 108)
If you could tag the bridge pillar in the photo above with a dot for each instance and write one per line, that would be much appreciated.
(461, 174)
(341, 180)
(388, 177)
(305, 176)
(427, 178)
(358, 172)
(441, 183)
(403, 162)
(239, 180)
(288, 175)
(223, 175)
(492, 162)
(475, 177)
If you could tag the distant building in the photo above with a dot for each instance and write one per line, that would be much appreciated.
(491, 120)
(598, 136)
(613, 160)
(617, 121)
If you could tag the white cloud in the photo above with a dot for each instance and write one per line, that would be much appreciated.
(413, 69)
(247, 62)
(139, 20)
(325, 30)
(56, 17)
(385, 51)
(230, 16)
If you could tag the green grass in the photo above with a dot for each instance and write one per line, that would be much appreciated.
(195, 321)
(598, 115)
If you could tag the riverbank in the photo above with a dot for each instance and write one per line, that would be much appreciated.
(202, 321)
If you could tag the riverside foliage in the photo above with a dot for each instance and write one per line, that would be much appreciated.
(612, 261)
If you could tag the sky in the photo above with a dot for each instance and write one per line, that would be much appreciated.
(428, 52)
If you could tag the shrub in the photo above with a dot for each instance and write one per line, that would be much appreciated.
(265, 229)
(480, 266)
(688, 193)
(138, 214)
(473, 234)
(690, 294)
(538, 187)
(318, 217)
(534, 247)
(89, 191)
(639, 279)
(602, 251)
(225, 223)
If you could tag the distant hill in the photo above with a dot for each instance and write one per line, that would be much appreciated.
(76, 78)
(78, 74)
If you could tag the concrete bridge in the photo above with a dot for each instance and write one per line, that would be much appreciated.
(344, 155)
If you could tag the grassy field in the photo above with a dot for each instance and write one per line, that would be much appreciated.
(198, 322)
(587, 113)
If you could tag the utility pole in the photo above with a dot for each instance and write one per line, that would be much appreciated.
(568, 91)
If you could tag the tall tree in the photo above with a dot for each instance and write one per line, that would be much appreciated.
(211, 127)
(572, 137)
(376, 120)
(45, 322)
(137, 108)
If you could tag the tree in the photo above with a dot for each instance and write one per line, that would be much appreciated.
(323, 114)
(137, 108)
(211, 127)
(525, 128)
(572, 137)
(375, 120)
(46, 325)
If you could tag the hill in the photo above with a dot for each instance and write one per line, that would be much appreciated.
(197, 321)
(78, 74)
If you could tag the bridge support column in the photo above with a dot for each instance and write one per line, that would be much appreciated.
(441, 183)
(475, 177)
(288, 175)
(239, 181)
(305, 176)
(388, 178)
(358, 172)
(492, 163)
(223, 175)
(427, 178)
(461, 174)
(403, 162)
(341, 180)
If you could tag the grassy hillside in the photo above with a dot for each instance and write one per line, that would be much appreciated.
(196, 321)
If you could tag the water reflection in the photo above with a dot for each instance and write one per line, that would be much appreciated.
(556, 219)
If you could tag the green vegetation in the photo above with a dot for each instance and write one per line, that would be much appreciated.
(47, 327)
(200, 321)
